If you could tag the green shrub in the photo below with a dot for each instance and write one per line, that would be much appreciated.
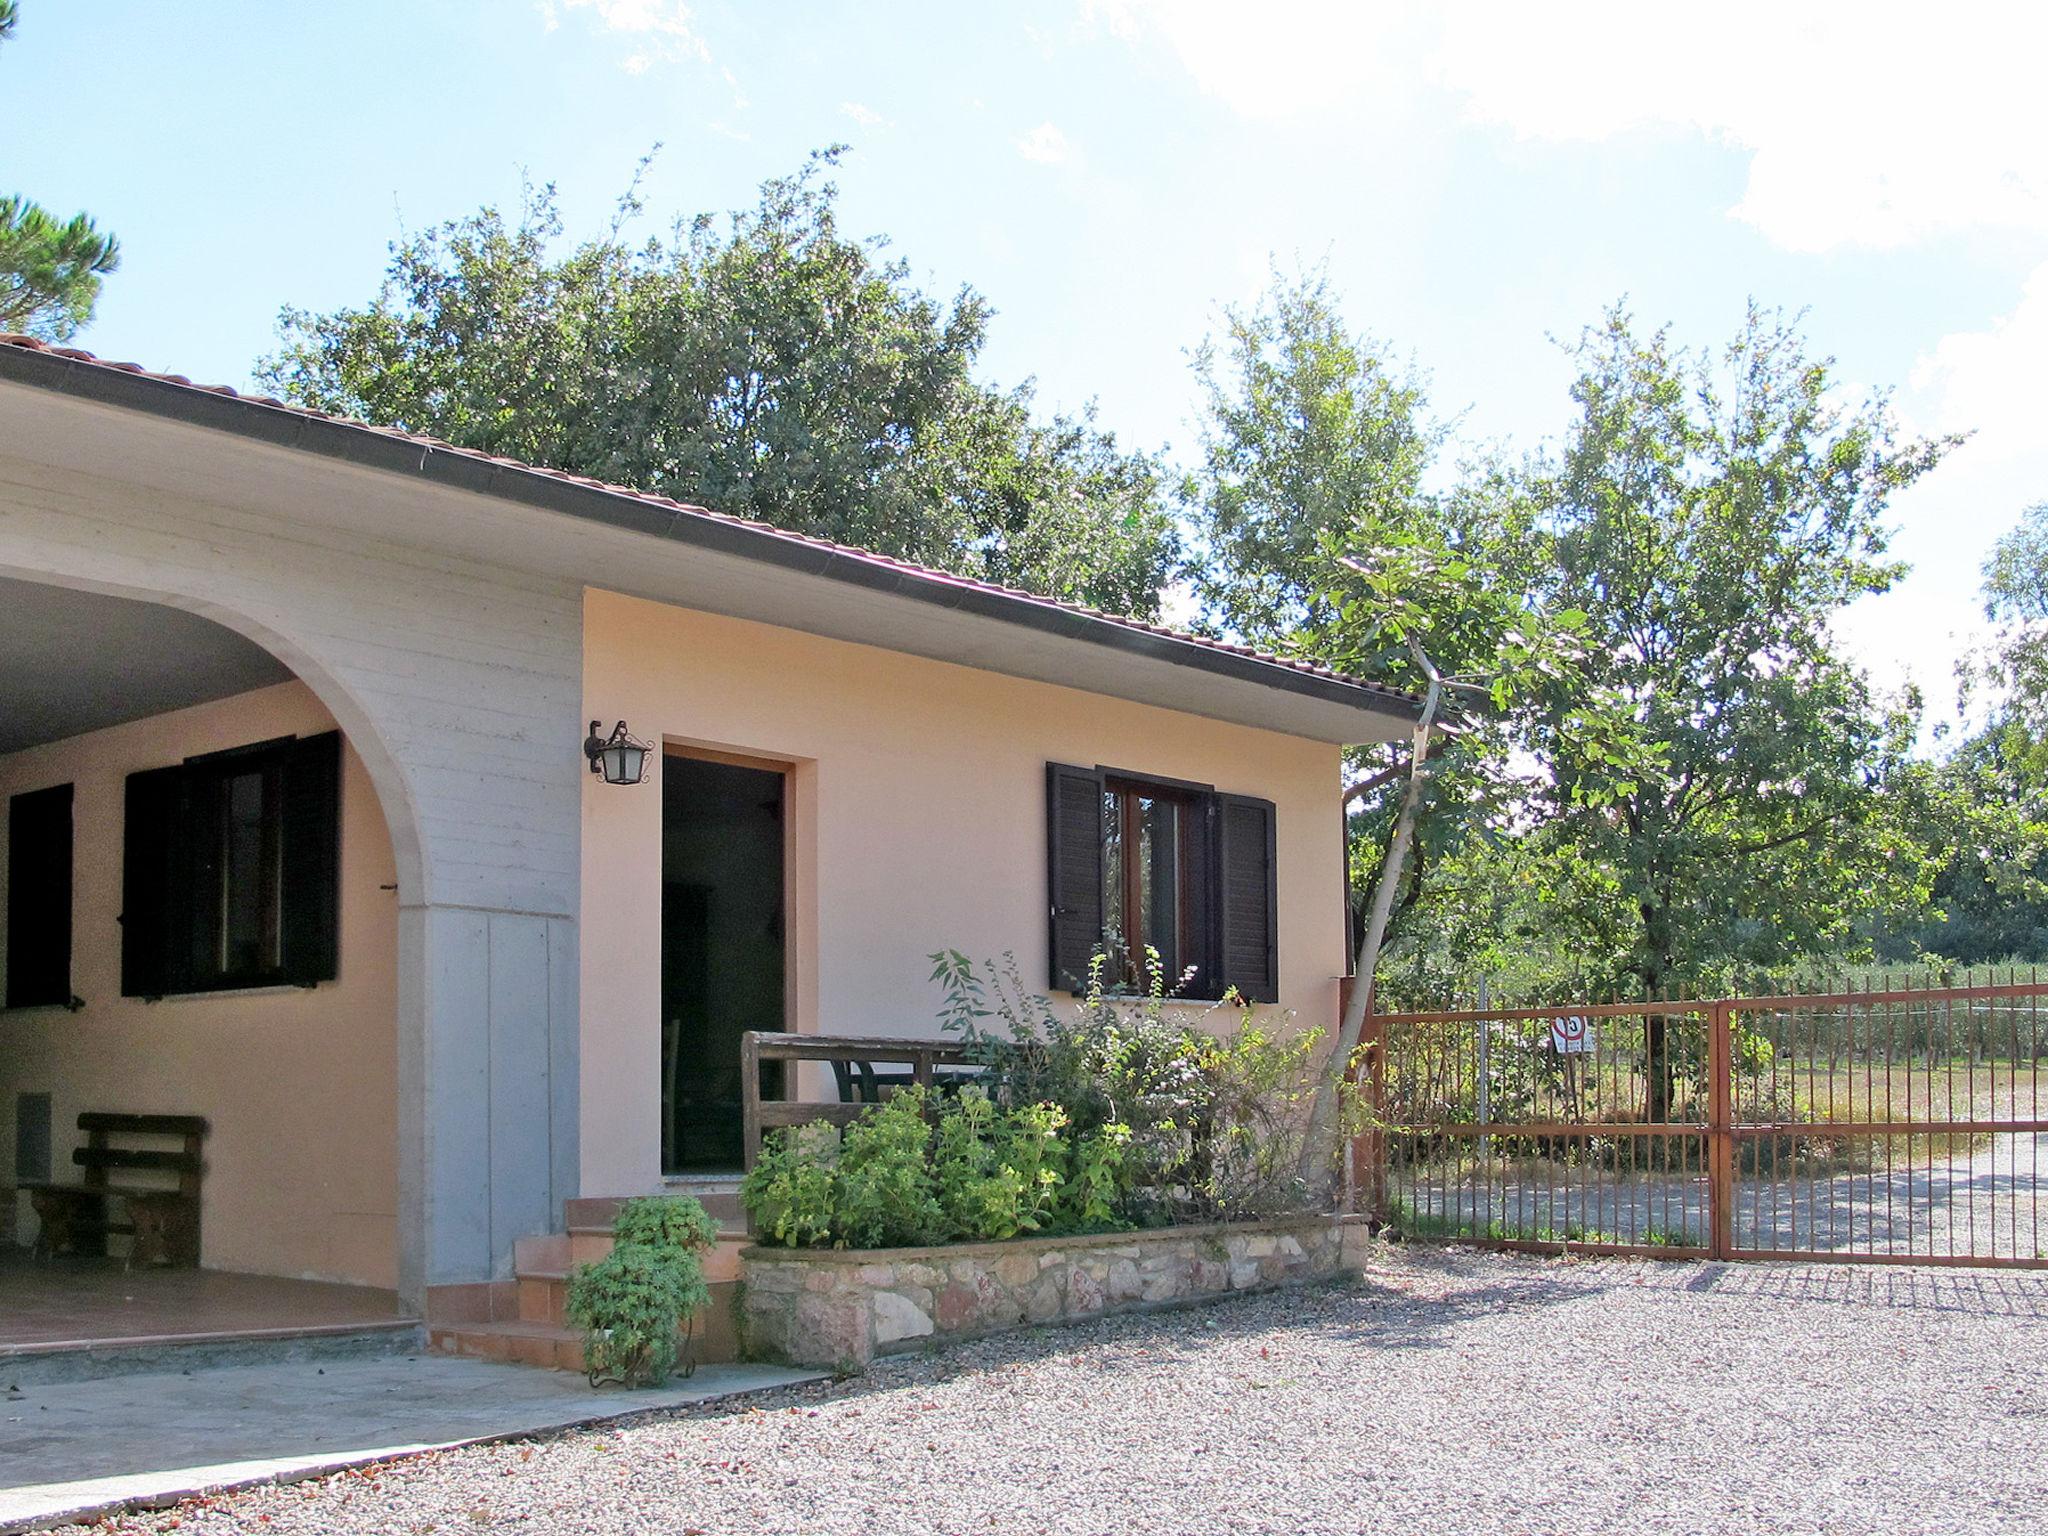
(1211, 1103)
(665, 1221)
(1120, 1113)
(791, 1192)
(884, 1192)
(998, 1173)
(635, 1302)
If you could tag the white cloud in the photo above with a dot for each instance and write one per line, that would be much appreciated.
(1872, 124)
(1046, 145)
(1990, 382)
(1984, 382)
(866, 116)
(1271, 60)
(661, 32)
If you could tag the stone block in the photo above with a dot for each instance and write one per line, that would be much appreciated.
(1016, 1269)
(1044, 1303)
(1084, 1292)
(1208, 1277)
(775, 1277)
(831, 1331)
(1123, 1283)
(897, 1317)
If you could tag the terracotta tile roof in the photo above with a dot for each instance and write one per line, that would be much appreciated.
(921, 573)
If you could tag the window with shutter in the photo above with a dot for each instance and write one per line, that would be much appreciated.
(232, 870)
(1073, 826)
(39, 898)
(1145, 870)
(1247, 897)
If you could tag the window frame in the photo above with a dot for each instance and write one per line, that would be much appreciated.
(1214, 870)
(178, 899)
(209, 829)
(1189, 947)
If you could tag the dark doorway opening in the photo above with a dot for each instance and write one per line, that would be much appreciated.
(722, 947)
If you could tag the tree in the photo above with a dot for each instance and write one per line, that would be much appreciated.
(1308, 427)
(1711, 517)
(1314, 450)
(771, 368)
(1986, 828)
(1412, 587)
(50, 268)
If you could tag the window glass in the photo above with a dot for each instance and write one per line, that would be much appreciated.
(248, 876)
(1144, 877)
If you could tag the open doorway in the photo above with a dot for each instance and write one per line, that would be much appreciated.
(724, 937)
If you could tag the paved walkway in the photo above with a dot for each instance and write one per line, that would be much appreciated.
(74, 1447)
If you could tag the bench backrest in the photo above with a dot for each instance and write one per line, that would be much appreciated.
(99, 1155)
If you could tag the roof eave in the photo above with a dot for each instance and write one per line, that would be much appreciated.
(332, 438)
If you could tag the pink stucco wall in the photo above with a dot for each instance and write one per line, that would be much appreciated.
(299, 1085)
(918, 824)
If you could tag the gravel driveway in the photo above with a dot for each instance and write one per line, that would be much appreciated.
(1455, 1392)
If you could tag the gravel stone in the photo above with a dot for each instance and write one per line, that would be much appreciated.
(1451, 1392)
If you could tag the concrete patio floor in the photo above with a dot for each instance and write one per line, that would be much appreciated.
(65, 1304)
(75, 1448)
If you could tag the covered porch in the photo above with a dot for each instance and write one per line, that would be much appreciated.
(198, 1048)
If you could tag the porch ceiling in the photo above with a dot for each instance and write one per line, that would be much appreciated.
(72, 662)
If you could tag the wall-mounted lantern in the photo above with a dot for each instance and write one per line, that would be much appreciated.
(620, 758)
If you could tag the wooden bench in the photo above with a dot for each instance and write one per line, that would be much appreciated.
(854, 1061)
(163, 1221)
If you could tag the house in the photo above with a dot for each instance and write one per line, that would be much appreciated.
(303, 837)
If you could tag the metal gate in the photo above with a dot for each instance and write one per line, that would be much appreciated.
(1856, 1126)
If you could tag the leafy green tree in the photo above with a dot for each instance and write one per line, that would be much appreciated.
(1985, 834)
(1986, 829)
(1307, 428)
(50, 268)
(768, 367)
(1711, 516)
(1315, 446)
(2012, 670)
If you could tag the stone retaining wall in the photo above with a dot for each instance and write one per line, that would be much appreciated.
(841, 1307)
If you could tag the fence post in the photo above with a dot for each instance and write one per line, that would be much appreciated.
(1720, 1132)
(1375, 1138)
(750, 1098)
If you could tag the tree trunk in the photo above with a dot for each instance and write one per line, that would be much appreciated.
(1319, 1149)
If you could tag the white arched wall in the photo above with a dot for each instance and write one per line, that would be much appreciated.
(459, 685)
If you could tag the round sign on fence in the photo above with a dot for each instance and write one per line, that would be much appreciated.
(1570, 1033)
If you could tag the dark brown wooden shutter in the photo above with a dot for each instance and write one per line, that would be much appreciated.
(1247, 890)
(39, 898)
(1073, 840)
(310, 838)
(152, 932)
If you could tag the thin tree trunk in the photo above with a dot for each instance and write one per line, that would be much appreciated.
(1318, 1151)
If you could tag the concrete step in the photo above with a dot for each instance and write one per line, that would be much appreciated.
(586, 1245)
(524, 1320)
(720, 1199)
(542, 1337)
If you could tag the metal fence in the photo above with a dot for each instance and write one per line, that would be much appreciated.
(1884, 1126)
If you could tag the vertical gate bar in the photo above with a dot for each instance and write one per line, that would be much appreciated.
(1891, 1229)
(1869, 1113)
(1376, 1037)
(1720, 1135)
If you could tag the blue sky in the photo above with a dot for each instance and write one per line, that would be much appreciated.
(1480, 179)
